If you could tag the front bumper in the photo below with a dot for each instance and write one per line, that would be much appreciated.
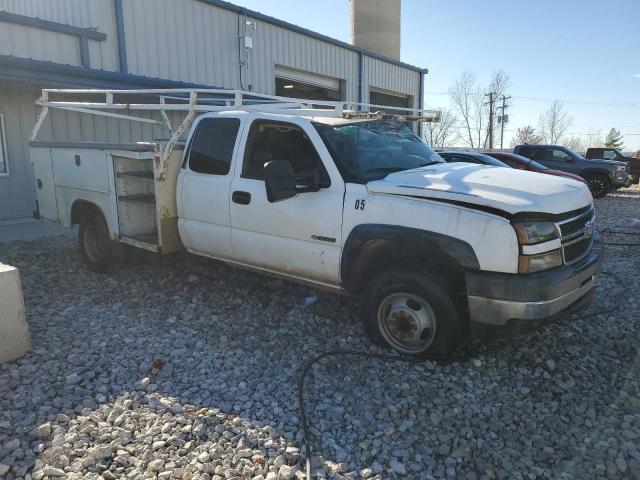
(622, 180)
(498, 299)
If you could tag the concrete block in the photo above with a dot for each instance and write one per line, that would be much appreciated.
(14, 331)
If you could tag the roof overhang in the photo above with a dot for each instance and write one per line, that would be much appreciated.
(51, 75)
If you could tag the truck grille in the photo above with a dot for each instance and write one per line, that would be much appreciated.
(569, 228)
(576, 250)
(577, 236)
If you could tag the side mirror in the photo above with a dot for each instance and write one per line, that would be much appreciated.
(279, 180)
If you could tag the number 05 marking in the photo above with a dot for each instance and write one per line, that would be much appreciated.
(360, 204)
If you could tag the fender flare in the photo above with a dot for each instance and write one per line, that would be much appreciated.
(370, 245)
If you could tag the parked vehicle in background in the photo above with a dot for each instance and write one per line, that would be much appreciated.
(471, 157)
(524, 163)
(601, 175)
(340, 199)
(615, 154)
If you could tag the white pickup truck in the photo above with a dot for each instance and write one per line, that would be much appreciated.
(349, 201)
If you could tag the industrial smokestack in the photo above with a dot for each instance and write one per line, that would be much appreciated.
(375, 25)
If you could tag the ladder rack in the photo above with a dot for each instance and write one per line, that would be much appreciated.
(112, 103)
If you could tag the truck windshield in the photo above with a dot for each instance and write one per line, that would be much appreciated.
(366, 151)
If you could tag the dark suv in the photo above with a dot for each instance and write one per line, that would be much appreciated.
(601, 175)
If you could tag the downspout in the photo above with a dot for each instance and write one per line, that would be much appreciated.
(122, 46)
(241, 61)
(360, 69)
(421, 101)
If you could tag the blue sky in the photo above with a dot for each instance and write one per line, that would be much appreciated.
(585, 53)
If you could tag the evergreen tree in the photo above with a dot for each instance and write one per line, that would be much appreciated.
(614, 139)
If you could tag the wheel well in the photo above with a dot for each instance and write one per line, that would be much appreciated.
(599, 173)
(379, 256)
(80, 208)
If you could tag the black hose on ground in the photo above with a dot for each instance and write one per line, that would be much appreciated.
(608, 232)
(400, 358)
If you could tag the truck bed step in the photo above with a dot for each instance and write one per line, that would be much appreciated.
(141, 174)
(139, 198)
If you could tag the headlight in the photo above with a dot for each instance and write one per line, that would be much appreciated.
(621, 168)
(535, 232)
(542, 261)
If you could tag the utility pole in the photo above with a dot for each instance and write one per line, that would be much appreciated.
(502, 119)
(491, 96)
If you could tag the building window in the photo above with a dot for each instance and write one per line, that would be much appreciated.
(298, 84)
(4, 161)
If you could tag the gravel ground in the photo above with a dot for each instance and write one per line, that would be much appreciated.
(183, 368)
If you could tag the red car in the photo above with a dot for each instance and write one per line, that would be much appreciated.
(524, 163)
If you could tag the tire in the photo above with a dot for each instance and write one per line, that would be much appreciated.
(599, 185)
(398, 304)
(99, 252)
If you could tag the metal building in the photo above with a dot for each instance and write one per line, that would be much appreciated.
(165, 43)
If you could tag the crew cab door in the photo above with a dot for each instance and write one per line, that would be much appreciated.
(204, 185)
(299, 236)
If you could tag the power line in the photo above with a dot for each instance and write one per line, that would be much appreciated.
(567, 101)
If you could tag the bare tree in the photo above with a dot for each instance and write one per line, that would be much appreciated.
(500, 83)
(576, 143)
(443, 133)
(526, 134)
(554, 123)
(466, 97)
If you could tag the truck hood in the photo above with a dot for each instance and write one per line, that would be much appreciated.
(602, 161)
(509, 190)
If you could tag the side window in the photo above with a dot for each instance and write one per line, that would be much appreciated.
(558, 155)
(609, 155)
(211, 149)
(280, 141)
(536, 154)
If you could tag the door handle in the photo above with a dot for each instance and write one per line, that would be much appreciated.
(243, 198)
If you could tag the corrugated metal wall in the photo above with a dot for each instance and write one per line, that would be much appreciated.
(17, 193)
(37, 44)
(386, 76)
(182, 40)
(275, 45)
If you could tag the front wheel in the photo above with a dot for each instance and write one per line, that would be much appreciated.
(413, 314)
(100, 253)
(599, 185)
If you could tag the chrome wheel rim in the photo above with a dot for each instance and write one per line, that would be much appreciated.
(407, 322)
(93, 243)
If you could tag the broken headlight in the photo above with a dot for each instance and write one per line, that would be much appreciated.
(535, 232)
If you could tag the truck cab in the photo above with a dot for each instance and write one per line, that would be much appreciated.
(348, 201)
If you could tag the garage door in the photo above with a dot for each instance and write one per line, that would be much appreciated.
(300, 84)
(392, 99)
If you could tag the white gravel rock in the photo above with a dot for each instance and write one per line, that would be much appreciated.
(151, 374)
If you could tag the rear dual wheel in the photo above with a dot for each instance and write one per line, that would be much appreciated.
(412, 313)
(100, 253)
